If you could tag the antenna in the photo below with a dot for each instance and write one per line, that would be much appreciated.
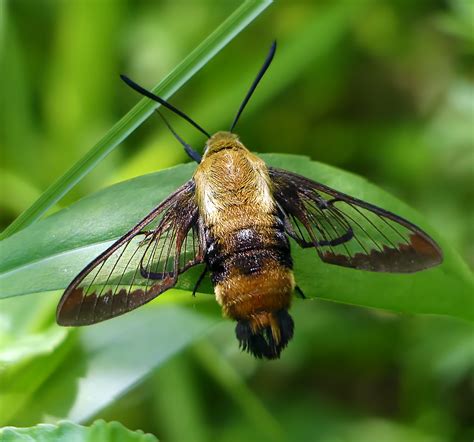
(260, 74)
(164, 103)
(189, 150)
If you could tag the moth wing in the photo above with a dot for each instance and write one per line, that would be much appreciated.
(139, 266)
(349, 232)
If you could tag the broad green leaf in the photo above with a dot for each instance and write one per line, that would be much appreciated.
(67, 431)
(72, 236)
(47, 255)
(31, 348)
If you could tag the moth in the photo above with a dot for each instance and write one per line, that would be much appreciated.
(236, 216)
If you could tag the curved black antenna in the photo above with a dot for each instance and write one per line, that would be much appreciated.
(164, 103)
(260, 74)
(189, 150)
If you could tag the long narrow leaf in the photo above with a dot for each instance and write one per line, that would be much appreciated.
(235, 23)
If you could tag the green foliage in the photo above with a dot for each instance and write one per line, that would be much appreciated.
(68, 239)
(68, 431)
(244, 15)
(45, 367)
(380, 88)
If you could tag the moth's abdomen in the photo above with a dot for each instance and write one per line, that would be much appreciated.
(252, 274)
(250, 266)
(247, 251)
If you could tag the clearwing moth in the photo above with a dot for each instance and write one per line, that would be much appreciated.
(235, 216)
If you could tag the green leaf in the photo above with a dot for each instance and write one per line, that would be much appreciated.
(69, 238)
(47, 255)
(31, 348)
(19, 384)
(67, 431)
(235, 23)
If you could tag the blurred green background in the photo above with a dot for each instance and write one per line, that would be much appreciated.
(381, 88)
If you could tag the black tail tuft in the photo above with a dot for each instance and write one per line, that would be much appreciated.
(261, 342)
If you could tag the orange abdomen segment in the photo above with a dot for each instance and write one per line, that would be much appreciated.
(251, 269)
(251, 283)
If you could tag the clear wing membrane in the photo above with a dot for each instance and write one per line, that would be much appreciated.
(142, 264)
(349, 232)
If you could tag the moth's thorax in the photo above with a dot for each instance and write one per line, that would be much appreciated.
(232, 185)
(222, 140)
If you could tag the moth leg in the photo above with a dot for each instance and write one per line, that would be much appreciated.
(289, 228)
(300, 293)
(198, 282)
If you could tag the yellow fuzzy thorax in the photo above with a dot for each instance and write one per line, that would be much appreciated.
(221, 140)
(233, 187)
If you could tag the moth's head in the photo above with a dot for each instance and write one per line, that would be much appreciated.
(222, 140)
(265, 334)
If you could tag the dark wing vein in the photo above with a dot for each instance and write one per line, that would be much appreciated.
(349, 232)
(142, 264)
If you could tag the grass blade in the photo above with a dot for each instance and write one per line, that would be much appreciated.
(235, 23)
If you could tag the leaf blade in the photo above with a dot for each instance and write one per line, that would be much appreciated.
(235, 23)
(67, 431)
(47, 265)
